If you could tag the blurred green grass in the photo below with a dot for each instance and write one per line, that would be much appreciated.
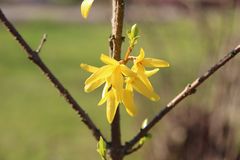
(35, 121)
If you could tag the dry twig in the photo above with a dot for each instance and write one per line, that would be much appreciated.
(43, 41)
(188, 90)
(34, 57)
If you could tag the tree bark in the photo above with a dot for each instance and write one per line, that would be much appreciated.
(116, 146)
(116, 41)
(117, 27)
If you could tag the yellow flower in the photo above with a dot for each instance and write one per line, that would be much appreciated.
(141, 62)
(112, 74)
(139, 86)
(120, 82)
(85, 7)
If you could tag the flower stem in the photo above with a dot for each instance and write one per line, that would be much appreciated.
(127, 54)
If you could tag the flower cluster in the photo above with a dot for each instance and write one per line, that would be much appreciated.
(120, 81)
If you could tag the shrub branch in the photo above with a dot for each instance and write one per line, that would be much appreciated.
(34, 57)
(115, 45)
(188, 90)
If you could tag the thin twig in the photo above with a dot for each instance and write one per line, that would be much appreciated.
(133, 149)
(34, 57)
(189, 89)
(43, 41)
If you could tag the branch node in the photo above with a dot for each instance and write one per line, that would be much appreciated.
(34, 56)
(190, 90)
(110, 41)
(42, 42)
(123, 38)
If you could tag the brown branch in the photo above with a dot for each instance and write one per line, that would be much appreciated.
(115, 46)
(34, 57)
(190, 89)
(116, 146)
(117, 27)
(132, 150)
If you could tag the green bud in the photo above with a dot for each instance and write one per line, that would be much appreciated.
(102, 148)
(133, 35)
(144, 139)
(134, 31)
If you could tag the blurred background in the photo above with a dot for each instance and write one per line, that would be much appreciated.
(35, 121)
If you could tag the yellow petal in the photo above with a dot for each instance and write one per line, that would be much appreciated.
(117, 83)
(101, 73)
(112, 105)
(139, 86)
(88, 68)
(151, 72)
(85, 7)
(106, 88)
(141, 56)
(143, 77)
(103, 99)
(129, 102)
(134, 67)
(129, 86)
(108, 60)
(126, 71)
(92, 86)
(152, 62)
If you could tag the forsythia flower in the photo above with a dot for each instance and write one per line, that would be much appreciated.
(85, 7)
(141, 62)
(114, 74)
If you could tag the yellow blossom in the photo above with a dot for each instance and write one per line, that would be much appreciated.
(139, 86)
(120, 82)
(141, 62)
(85, 7)
(112, 74)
